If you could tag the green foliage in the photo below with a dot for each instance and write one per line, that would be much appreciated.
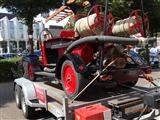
(12, 60)
(123, 8)
(9, 69)
(27, 9)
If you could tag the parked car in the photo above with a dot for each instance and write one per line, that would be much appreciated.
(8, 55)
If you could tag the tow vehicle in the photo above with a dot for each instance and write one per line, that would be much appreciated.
(90, 55)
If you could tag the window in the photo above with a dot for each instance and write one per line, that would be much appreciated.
(12, 34)
(21, 30)
(2, 29)
(36, 30)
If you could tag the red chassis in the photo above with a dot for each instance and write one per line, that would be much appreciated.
(76, 66)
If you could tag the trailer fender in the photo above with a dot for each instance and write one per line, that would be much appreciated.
(78, 63)
(27, 88)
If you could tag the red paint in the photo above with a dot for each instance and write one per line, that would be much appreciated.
(138, 26)
(44, 59)
(85, 52)
(67, 34)
(92, 112)
(69, 79)
(61, 51)
(81, 68)
(40, 94)
(30, 71)
(99, 22)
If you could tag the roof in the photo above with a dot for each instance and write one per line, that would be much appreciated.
(9, 16)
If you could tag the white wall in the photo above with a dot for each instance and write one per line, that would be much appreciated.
(17, 31)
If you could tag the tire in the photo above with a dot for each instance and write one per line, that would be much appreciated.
(28, 111)
(72, 81)
(17, 93)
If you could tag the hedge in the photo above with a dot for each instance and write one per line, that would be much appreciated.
(10, 69)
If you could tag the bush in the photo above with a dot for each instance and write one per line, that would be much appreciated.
(9, 69)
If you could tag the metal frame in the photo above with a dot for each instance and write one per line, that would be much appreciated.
(65, 108)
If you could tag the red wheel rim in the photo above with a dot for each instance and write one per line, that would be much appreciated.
(30, 72)
(69, 79)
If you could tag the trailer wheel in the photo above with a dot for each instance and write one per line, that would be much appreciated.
(72, 81)
(17, 93)
(28, 111)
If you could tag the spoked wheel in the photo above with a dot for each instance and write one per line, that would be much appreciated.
(72, 81)
(17, 92)
(95, 20)
(135, 17)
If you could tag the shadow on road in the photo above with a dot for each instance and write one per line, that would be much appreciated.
(42, 115)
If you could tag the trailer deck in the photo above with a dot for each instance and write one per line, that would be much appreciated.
(125, 103)
(124, 99)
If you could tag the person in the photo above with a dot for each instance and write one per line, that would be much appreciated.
(80, 9)
(25, 60)
(135, 56)
(154, 60)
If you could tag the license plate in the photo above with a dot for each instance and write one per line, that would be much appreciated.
(134, 109)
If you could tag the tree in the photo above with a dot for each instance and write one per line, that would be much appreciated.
(122, 9)
(26, 10)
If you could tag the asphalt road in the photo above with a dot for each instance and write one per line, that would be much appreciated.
(8, 108)
(9, 111)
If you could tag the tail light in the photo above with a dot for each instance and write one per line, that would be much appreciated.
(106, 77)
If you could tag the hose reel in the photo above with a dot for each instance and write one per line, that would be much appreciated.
(93, 24)
(131, 25)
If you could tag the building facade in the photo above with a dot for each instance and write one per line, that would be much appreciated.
(14, 35)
